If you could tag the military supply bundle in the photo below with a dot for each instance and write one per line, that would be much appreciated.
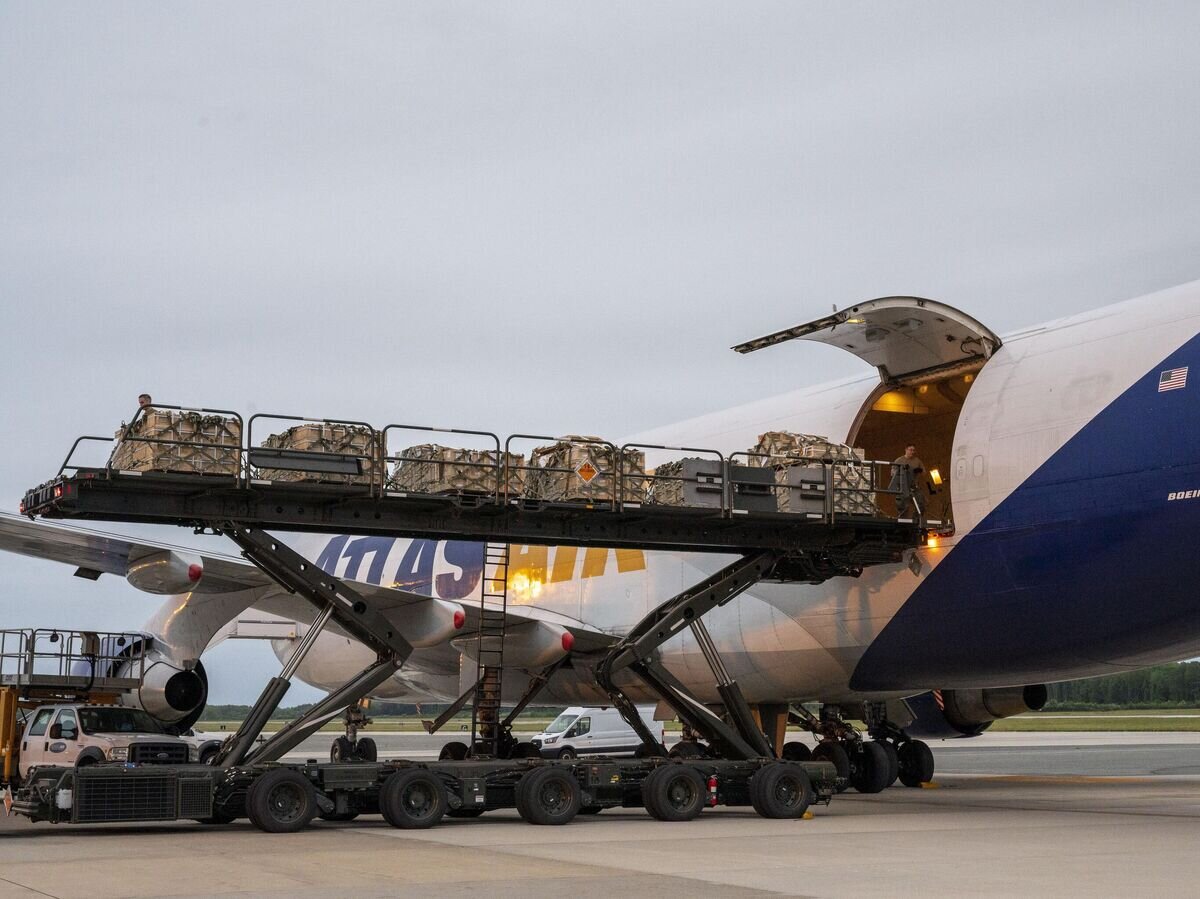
(165, 440)
(801, 481)
(687, 482)
(431, 468)
(581, 468)
(359, 450)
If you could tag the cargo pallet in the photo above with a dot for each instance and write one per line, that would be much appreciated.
(739, 517)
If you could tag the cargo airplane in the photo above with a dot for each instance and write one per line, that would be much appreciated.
(1066, 456)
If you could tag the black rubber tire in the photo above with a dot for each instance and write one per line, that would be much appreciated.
(568, 752)
(870, 768)
(686, 749)
(591, 809)
(836, 754)
(795, 751)
(337, 816)
(89, 757)
(341, 750)
(454, 751)
(781, 790)
(464, 812)
(549, 795)
(893, 760)
(674, 793)
(413, 800)
(207, 756)
(365, 750)
(916, 763)
(281, 801)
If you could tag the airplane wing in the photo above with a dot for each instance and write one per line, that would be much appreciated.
(95, 552)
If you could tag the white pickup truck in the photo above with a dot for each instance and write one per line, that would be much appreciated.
(78, 734)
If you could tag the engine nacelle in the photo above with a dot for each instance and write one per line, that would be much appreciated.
(170, 693)
(968, 713)
(166, 572)
(533, 645)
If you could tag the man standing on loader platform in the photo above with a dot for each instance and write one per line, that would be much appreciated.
(904, 479)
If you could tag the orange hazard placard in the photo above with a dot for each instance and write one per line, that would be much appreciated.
(587, 471)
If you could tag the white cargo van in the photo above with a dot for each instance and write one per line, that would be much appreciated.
(584, 731)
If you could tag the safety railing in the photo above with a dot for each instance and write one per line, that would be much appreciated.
(79, 660)
(482, 468)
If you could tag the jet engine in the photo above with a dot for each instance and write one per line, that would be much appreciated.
(967, 713)
(173, 694)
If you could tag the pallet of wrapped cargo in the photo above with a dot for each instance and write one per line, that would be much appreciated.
(582, 468)
(166, 440)
(686, 482)
(431, 468)
(801, 481)
(347, 441)
(778, 447)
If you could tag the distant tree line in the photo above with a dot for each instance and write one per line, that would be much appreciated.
(1163, 686)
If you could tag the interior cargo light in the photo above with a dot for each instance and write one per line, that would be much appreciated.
(931, 541)
(968, 378)
(935, 476)
(58, 491)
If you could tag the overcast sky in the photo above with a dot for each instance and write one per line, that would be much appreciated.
(544, 217)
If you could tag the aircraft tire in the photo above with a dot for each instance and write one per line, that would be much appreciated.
(413, 800)
(674, 793)
(281, 801)
(795, 751)
(686, 749)
(893, 760)
(454, 751)
(916, 763)
(870, 768)
(834, 753)
(341, 750)
(548, 795)
(366, 750)
(781, 790)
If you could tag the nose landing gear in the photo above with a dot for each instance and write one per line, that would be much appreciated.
(352, 747)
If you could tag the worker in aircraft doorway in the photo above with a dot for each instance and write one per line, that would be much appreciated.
(904, 481)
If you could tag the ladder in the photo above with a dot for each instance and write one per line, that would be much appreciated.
(493, 608)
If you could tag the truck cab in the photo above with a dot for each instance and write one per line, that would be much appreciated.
(79, 734)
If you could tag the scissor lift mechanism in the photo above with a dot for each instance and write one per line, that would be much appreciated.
(770, 545)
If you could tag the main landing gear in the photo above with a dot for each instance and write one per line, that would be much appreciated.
(869, 766)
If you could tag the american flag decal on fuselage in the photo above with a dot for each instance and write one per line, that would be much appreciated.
(1172, 379)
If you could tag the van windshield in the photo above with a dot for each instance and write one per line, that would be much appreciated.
(561, 723)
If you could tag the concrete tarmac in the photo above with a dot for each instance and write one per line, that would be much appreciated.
(988, 833)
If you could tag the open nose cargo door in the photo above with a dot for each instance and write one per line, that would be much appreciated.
(905, 338)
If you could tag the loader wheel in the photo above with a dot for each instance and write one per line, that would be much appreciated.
(781, 790)
(365, 750)
(916, 763)
(281, 801)
(795, 751)
(686, 749)
(548, 795)
(413, 799)
(870, 768)
(674, 793)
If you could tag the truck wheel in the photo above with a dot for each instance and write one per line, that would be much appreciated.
(342, 750)
(916, 763)
(795, 751)
(674, 793)
(686, 750)
(366, 750)
(836, 755)
(207, 755)
(454, 751)
(548, 796)
(413, 799)
(781, 790)
(870, 768)
(281, 801)
(567, 752)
